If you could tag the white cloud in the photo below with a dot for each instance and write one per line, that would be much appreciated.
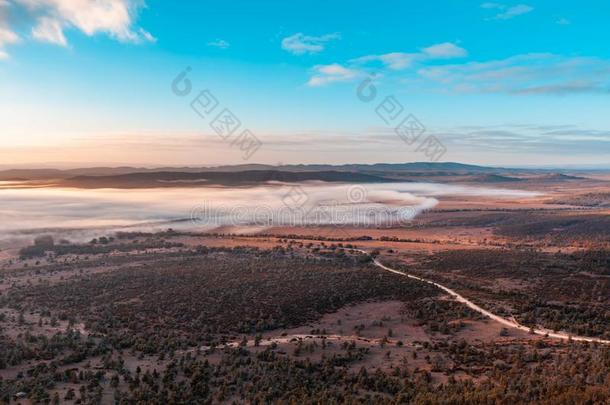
(325, 74)
(49, 30)
(300, 43)
(52, 17)
(393, 60)
(538, 73)
(492, 6)
(402, 60)
(507, 12)
(515, 11)
(563, 21)
(444, 50)
(112, 17)
(7, 36)
(147, 36)
(219, 43)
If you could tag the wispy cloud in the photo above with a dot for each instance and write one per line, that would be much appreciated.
(515, 145)
(49, 30)
(393, 60)
(396, 61)
(565, 140)
(572, 87)
(402, 60)
(325, 74)
(492, 5)
(51, 18)
(540, 73)
(219, 43)
(505, 12)
(445, 50)
(7, 36)
(563, 21)
(113, 17)
(300, 43)
(146, 36)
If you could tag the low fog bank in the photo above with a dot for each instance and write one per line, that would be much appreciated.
(80, 214)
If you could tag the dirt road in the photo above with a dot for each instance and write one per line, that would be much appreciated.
(506, 322)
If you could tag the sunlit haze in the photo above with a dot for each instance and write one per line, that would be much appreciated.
(497, 84)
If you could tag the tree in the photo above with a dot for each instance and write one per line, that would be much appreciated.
(44, 241)
(70, 395)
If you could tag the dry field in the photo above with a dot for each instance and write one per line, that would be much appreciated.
(296, 314)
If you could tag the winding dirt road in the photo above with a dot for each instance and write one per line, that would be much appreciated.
(506, 322)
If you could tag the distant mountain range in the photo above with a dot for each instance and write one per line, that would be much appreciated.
(173, 179)
(495, 178)
(134, 177)
(50, 174)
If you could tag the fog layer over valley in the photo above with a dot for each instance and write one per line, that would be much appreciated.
(28, 211)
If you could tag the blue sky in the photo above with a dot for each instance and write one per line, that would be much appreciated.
(506, 83)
